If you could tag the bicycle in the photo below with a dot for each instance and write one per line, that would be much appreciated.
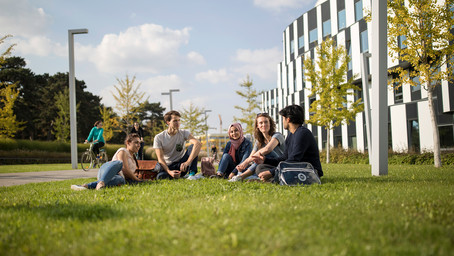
(88, 160)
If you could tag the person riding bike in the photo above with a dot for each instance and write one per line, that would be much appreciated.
(96, 136)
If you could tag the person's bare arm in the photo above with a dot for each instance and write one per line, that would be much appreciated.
(269, 147)
(128, 171)
(162, 162)
(194, 153)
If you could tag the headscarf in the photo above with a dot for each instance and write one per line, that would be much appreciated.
(235, 144)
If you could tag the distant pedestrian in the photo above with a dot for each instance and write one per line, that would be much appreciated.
(137, 129)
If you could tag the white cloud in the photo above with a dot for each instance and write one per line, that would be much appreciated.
(261, 63)
(146, 48)
(40, 46)
(213, 76)
(277, 5)
(20, 18)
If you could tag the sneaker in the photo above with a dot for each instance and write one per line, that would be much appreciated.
(78, 187)
(235, 178)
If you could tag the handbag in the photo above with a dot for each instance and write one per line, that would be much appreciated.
(207, 167)
(297, 173)
(146, 170)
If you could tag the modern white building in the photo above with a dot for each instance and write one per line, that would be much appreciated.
(408, 111)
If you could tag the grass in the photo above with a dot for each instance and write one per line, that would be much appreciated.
(408, 212)
(35, 168)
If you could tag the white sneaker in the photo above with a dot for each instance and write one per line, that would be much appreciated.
(235, 178)
(78, 187)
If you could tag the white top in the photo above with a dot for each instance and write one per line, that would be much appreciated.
(131, 162)
(173, 146)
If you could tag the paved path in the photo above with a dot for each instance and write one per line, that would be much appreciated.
(20, 178)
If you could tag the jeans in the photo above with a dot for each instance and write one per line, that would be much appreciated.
(271, 155)
(109, 174)
(162, 174)
(226, 165)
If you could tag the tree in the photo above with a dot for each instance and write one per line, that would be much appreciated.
(328, 80)
(193, 119)
(61, 124)
(248, 114)
(110, 122)
(9, 125)
(420, 34)
(128, 98)
(153, 116)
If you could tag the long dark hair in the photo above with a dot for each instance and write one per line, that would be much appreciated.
(129, 139)
(258, 134)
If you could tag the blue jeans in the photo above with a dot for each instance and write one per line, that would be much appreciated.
(162, 174)
(227, 165)
(109, 174)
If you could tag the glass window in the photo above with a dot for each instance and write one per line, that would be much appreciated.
(398, 96)
(349, 52)
(292, 46)
(414, 135)
(401, 40)
(364, 41)
(352, 142)
(326, 28)
(358, 10)
(301, 42)
(417, 86)
(446, 136)
(341, 21)
(313, 35)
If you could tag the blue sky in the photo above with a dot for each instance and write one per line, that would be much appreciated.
(204, 48)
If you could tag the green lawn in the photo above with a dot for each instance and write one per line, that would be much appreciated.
(35, 168)
(408, 212)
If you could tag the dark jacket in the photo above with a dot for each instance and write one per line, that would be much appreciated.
(299, 147)
(243, 151)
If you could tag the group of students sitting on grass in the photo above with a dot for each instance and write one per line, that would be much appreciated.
(240, 160)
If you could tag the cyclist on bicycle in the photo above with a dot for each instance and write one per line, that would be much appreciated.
(96, 136)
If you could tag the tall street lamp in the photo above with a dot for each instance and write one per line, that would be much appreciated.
(206, 131)
(72, 94)
(170, 94)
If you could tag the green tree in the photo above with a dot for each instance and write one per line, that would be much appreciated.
(128, 99)
(193, 119)
(9, 125)
(420, 34)
(61, 124)
(249, 94)
(110, 122)
(327, 75)
(153, 116)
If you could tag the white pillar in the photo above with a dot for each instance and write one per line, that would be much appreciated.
(379, 89)
(72, 95)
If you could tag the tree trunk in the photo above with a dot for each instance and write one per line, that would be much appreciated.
(433, 119)
(327, 145)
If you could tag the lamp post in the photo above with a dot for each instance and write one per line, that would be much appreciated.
(206, 131)
(72, 94)
(170, 94)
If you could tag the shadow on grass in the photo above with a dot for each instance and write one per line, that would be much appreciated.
(80, 212)
(370, 180)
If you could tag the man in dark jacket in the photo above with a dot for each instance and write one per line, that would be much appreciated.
(300, 145)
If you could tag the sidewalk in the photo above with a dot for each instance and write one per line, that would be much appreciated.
(20, 178)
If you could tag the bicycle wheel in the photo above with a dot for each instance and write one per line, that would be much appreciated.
(102, 158)
(86, 161)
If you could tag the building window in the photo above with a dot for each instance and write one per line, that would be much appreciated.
(364, 41)
(400, 40)
(352, 142)
(446, 136)
(292, 46)
(313, 35)
(414, 135)
(326, 28)
(341, 21)
(301, 42)
(349, 53)
(358, 10)
(398, 96)
(417, 86)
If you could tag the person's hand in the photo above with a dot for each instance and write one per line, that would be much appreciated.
(266, 175)
(175, 174)
(184, 166)
(258, 159)
(240, 167)
(86, 141)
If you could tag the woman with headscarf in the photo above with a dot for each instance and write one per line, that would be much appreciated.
(235, 152)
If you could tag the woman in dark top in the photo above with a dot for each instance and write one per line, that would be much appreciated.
(137, 129)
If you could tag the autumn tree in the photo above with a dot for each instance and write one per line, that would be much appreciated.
(9, 125)
(249, 94)
(61, 123)
(128, 98)
(420, 33)
(328, 77)
(193, 119)
(110, 122)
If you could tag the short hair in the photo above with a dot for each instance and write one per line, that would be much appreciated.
(168, 115)
(294, 112)
(97, 122)
(258, 134)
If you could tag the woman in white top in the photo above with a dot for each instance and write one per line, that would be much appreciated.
(268, 142)
(120, 170)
